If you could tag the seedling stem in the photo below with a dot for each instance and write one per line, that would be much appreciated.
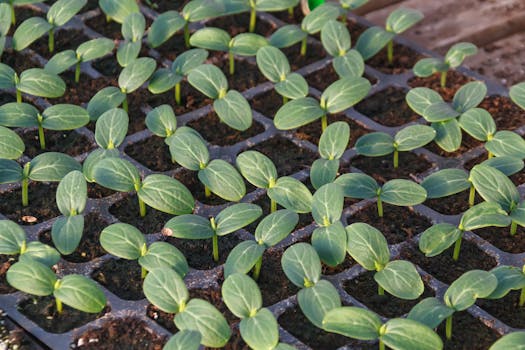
(443, 79)
(448, 327)
(77, 72)
(177, 94)
(51, 41)
(380, 290)
(143, 272)
(232, 63)
(25, 185)
(513, 228)
(18, 96)
(379, 207)
(324, 122)
(285, 100)
(58, 303)
(257, 269)
(41, 137)
(252, 20)
(381, 345)
(207, 192)
(490, 155)
(457, 248)
(125, 104)
(522, 297)
(396, 158)
(215, 240)
(273, 206)
(13, 15)
(390, 51)
(290, 12)
(303, 46)
(472, 196)
(187, 35)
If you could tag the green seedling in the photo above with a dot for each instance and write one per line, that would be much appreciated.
(216, 39)
(270, 231)
(509, 278)
(184, 340)
(369, 248)
(87, 51)
(254, 6)
(33, 81)
(134, 75)
(33, 28)
(349, 5)
(339, 96)
(5, 24)
(118, 10)
(108, 98)
(436, 239)
(50, 166)
(13, 241)
(396, 192)
(167, 78)
(11, 145)
(57, 117)
(374, 39)
(453, 59)
(133, 29)
(514, 340)
(227, 221)
(164, 288)
(517, 94)
(377, 144)
(159, 191)
(232, 108)
(274, 65)
(161, 121)
(15, 3)
(76, 291)
(127, 242)
(443, 116)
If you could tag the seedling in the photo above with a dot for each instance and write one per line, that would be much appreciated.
(162, 121)
(127, 242)
(57, 117)
(5, 24)
(216, 39)
(517, 94)
(509, 278)
(134, 75)
(444, 116)
(133, 29)
(77, 291)
(164, 288)
(11, 145)
(396, 192)
(274, 65)
(231, 107)
(14, 3)
(255, 6)
(377, 144)
(339, 96)
(187, 340)
(369, 248)
(453, 59)
(33, 81)
(50, 166)
(440, 237)
(376, 38)
(165, 78)
(13, 241)
(270, 231)
(510, 341)
(108, 98)
(33, 28)
(227, 221)
(118, 11)
(87, 51)
(349, 5)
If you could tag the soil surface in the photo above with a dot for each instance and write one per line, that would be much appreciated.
(467, 143)
(467, 333)
(506, 309)
(238, 23)
(84, 90)
(455, 80)
(404, 59)
(500, 238)
(314, 53)
(42, 204)
(65, 39)
(327, 75)
(153, 153)
(451, 205)
(69, 142)
(127, 210)
(121, 277)
(5, 263)
(506, 114)
(312, 132)
(97, 191)
(246, 75)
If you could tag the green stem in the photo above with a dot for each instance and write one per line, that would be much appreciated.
(58, 303)
(380, 290)
(51, 41)
(252, 20)
(457, 248)
(143, 272)
(18, 96)
(443, 79)
(522, 297)
(273, 206)
(142, 207)
(324, 122)
(215, 241)
(125, 103)
(379, 207)
(490, 155)
(381, 345)
(513, 228)
(257, 269)
(25, 192)
(77, 72)
(207, 192)
(285, 100)
(396, 158)
(472, 196)
(343, 17)
(41, 136)
(232, 62)
(448, 327)
(390, 51)
(108, 19)
(187, 35)
(290, 12)
(303, 46)
(177, 94)
(13, 15)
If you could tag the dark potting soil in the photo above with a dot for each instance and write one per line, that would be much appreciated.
(22, 13)
(127, 210)
(506, 309)
(128, 333)
(191, 99)
(167, 5)
(312, 132)
(96, 191)
(267, 103)
(327, 75)
(517, 179)
(314, 53)
(107, 65)
(295, 18)
(172, 47)
(12, 337)
(286, 155)
(42, 311)
(108, 29)
(157, 155)
(500, 238)
(218, 133)
(19, 61)
(6, 98)
(89, 247)
(67, 141)
(398, 223)
(455, 80)
(387, 107)
(65, 39)
(42, 204)
(5, 263)
(506, 114)
(239, 23)
(467, 143)
(246, 75)
(443, 267)
(121, 277)
(84, 90)
(334, 270)
(162, 318)
(467, 333)
(364, 288)
(452, 205)
(382, 168)
(273, 283)
(404, 59)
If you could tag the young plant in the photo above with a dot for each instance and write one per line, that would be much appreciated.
(248, 255)
(164, 288)
(377, 144)
(339, 96)
(118, 10)
(56, 117)
(33, 81)
(439, 237)
(133, 29)
(50, 166)
(228, 220)
(85, 52)
(5, 25)
(15, 3)
(255, 6)
(159, 191)
(517, 94)
(134, 75)
(509, 278)
(346, 6)
(167, 78)
(33, 28)
(513, 340)
(444, 116)
(396, 192)
(376, 38)
(369, 248)
(127, 242)
(108, 98)
(216, 39)
(13, 241)
(77, 291)
(425, 67)
(274, 65)
(231, 107)
(11, 145)
(184, 340)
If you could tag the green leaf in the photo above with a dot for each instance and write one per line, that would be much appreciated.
(509, 278)
(12, 238)
(189, 227)
(234, 110)
(128, 52)
(63, 10)
(401, 19)
(401, 279)
(335, 38)
(478, 123)
(260, 331)
(484, 214)
(189, 150)
(133, 27)
(297, 113)
(61, 61)
(123, 240)
(518, 214)
(419, 99)
(323, 172)
(375, 144)
(117, 174)
(95, 48)
(458, 52)
(162, 254)
(80, 293)
(273, 63)
(184, 340)
(403, 192)
(448, 135)
(316, 19)
(243, 258)
(64, 117)
(201, 316)
(430, 312)
(494, 186)
(275, 227)
(210, 38)
(469, 96)
(209, 80)
(52, 166)
(29, 31)
(401, 333)
(446, 182)
(40, 252)
(257, 168)
(517, 94)
(118, 10)
(163, 80)
(357, 185)
(439, 112)
(367, 246)
(5, 19)
(425, 67)
(31, 277)
(350, 65)
(111, 128)
(104, 100)
(318, 300)
(247, 44)
(353, 322)
(38, 82)
(437, 238)
(352, 4)
(274, 6)
(94, 157)
(330, 243)
(164, 288)
(413, 137)
(506, 143)
(10, 171)
(334, 140)
(291, 194)
(287, 36)
(241, 295)
(136, 73)
(166, 194)
(18, 115)
(372, 40)
(164, 27)
(197, 10)
(470, 286)
(293, 87)
(11, 145)
(514, 341)
(7, 77)
(344, 93)
(71, 194)
(327, 204)
(188, 61)
(223, 180)
(507, 165)
(301, 265)
(236, 217)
